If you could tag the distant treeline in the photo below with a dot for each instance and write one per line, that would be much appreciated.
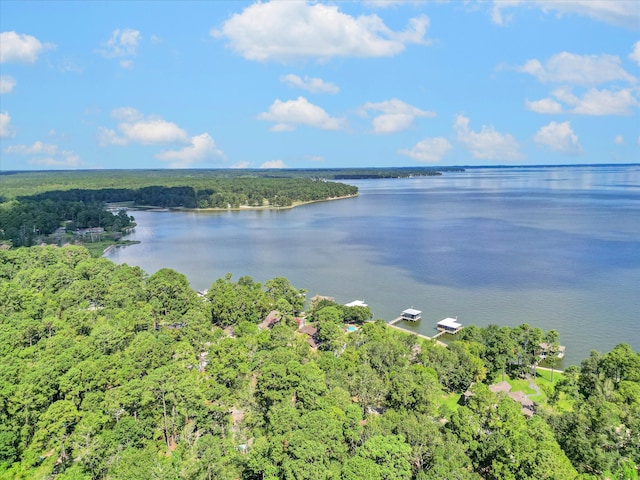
(219, 193)
(20, 184)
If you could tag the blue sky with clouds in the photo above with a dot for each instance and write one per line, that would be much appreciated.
(318, 84)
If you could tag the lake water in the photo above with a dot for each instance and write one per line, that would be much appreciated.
(555, 247)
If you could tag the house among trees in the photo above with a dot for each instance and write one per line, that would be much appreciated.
(526, 403)
(312, 335)
(546, 349)
(411, 315)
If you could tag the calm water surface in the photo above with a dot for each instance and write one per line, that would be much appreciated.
(552, 247)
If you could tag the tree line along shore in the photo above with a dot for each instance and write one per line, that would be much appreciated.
(35, 218)
(107, 372)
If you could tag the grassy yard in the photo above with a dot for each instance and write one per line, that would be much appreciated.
(451, 401)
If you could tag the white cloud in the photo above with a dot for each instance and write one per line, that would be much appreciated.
(558, 137)
(46, 155)
(122, 44)
(497, 15)
(428, 149)
(585, 70)
(6, 84)
(618, 140)
(66, 159)
(623, 13)
(292, 30)
(273, 164)
(6, 130)
(107, 136)
(288, 115)
(546, 105)
(136, 127)
(395, 116)
(313, 85)
(36, 149)
(635, 54)
(19, 47)
(599, 102)
(153, 130)
(202, 147)
(487, 144)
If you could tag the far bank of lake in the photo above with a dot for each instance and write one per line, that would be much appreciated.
(554, 247)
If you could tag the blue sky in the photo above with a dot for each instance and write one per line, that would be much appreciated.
(318, 84)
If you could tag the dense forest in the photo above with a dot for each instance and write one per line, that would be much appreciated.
(109, 373)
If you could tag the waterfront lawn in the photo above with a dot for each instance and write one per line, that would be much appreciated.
(520, 385)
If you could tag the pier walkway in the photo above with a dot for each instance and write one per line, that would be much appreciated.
(393, 322)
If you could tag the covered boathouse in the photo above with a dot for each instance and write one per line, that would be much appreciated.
(449, 325)
(411, 314)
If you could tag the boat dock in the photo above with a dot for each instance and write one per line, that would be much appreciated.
(448, 325)
(393, 322)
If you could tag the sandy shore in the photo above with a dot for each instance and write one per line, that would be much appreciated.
(264, 207)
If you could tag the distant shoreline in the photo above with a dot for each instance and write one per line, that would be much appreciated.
(249, 207)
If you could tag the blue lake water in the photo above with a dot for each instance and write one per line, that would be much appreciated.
(554, 247)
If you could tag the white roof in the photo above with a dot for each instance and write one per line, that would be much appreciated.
(411, 311)
(449, 322)
(356, 303)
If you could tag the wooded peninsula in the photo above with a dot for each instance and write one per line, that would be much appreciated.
(109, 373)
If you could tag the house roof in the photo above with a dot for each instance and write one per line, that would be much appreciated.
(356, 303)
(411, 311)
(309, 330)
(450, 323)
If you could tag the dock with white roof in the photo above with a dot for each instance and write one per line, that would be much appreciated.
(448, 325)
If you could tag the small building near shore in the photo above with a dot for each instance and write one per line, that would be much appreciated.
(411, 315)
(449, 325)
(546, 349)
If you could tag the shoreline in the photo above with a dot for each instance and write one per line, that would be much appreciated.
(263, 207)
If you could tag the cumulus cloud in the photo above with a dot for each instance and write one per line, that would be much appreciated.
(487, 143)
(6, 130)
(585, 70)
(599, 102)
(429, 149)
(136, 127)
(624, 13)
(558, 137)
(38, 148)
(546, 105)
(202, 148)
(6, 84)
(22, 48)
(292, 113)
(284, 31)
(395, 115)
(313, 85)
(123, 44)
(635, 54)
(273, 164)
